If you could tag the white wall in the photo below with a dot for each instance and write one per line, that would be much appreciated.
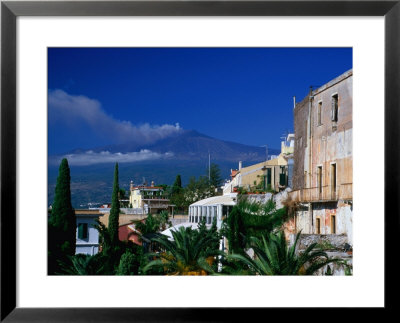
(91, 244)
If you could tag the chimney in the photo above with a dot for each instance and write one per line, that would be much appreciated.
(294, 102)
(240, 165)
(152, 183)
(131, 185)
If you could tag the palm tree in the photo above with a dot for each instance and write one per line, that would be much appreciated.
(187, 254)
(251, 219)
(273, 257)
(82, 264)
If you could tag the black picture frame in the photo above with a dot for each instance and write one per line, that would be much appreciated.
(10, 10)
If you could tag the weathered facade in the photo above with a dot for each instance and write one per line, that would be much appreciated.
(323, 159)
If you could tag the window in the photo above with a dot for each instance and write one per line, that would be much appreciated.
(333, 224)
(319, 113)
(269, 174)
(82, 231)
(335, 105)
(333, 178)
(318, 226)
(319, 174)
(282, 179)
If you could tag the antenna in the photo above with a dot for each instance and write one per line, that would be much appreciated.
(209, 166)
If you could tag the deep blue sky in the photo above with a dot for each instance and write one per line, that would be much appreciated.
(243, 95)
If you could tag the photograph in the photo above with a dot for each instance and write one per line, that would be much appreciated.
(200, 161)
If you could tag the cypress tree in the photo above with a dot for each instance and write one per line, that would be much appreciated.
(62, 222)
(178, 181)
(177, 186)
(113, 221)
(215, 175)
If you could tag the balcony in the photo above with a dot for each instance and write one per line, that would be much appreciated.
(323, 194)
(155, 197)
(157, 206)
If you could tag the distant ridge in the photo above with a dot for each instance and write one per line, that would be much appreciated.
(192, 145)
(93, 183)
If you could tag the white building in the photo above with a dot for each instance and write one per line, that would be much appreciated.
(213, 207)
(87, 236)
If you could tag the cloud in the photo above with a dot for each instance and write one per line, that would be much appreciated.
(91, 158)
(70, 109)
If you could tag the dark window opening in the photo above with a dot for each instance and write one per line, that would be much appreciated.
(333, 178)
(335, 106)
(319, 179)
(82, 231)
(333, 224)
(319, 113)
(269, 176)
(318, 226)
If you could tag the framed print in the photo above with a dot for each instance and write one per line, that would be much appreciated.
(36, 37)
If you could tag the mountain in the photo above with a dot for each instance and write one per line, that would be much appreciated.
(190, 150)
(192, 145)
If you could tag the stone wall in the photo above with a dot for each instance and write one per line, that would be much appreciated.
(335, 247)
(328, 241)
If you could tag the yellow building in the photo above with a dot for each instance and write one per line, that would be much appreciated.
(272, 175)
(268, 175)
(151, 199)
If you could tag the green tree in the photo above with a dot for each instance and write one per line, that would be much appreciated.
(212, 233)
(111, 247)
(154, 223)
(113, 220)
(176, 194)
(197, 190)
(82, 265)
(122, 193)
(129, 263)
(62, 222)
(187, 254)
(177, 184)
(273, 257)
(250, 219)
(215, 176)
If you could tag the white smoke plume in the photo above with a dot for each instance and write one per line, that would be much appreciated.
(69, 109)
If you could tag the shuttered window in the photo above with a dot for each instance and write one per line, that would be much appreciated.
(269, 176)
(82, 231)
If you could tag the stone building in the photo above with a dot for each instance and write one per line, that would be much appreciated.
(323, 159)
